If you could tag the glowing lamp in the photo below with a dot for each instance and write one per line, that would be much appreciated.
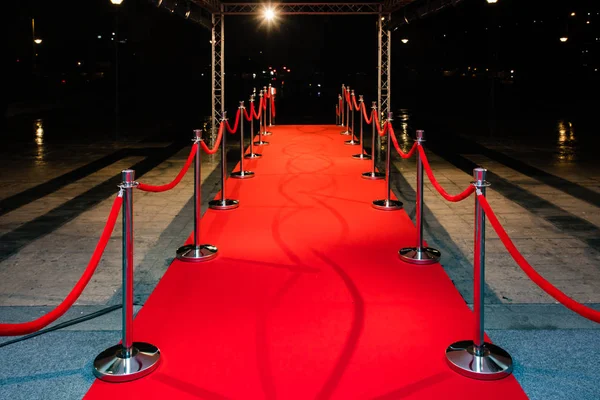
(404, 40)
(564, 39)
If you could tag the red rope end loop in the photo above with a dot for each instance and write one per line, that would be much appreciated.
(237, 122)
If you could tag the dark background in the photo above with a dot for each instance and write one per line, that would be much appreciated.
(457, 64)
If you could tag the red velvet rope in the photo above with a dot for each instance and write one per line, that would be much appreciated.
(25, 328)
(356, 106)
(217, 142)
(348, 100)
(539, 280)
(367, 119)
(273, 106)
(397, 146)
(174, 182)
(461, 196)
(337, 110)
(264, 102)
(249, 116)
(237, 122)
(258, 114)
(378, 125)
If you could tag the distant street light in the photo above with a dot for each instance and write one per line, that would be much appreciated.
(404, 40)
(37, 41)
(116, 2)
(492, 1)
(564, 39)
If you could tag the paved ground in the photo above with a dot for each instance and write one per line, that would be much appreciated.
(55, 199)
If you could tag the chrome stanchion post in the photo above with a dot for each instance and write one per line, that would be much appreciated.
(373, 175)
(128, 360)
(271, 105)
(242, 174)
(388, 204)
(223, 203)
(352, 142)
(342, 110)
(419, 254)
(267, 94)
(477, 358)
(337, 117)
(197, 252)
(252, 154)
(261, 142)
(347, 114)
(339, 108)
(362, 155)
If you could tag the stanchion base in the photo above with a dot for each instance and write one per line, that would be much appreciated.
(373, 175)
(387, 205)
(270, 125)
(253, 155)
(494, 363)
(422, 256)
(226, 204)
(111, 366)
(193, 253)
(362, 157)
(352, 142)
(261, 143)
(267, 133)
(242, 175)
(346, 132)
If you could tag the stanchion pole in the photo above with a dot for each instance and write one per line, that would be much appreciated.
(339, 114)
(267, 94)
(271, 105)
(242, 174)
(197, 252)
(223, 203)
(352, 142)
(373, 175)
(252, 154)
(261, 142)
(362, 155)
(128, 360)
(477, 358)
(388, 204)
(347, 131)
(419, 255)
(337, 117)
(342, 110)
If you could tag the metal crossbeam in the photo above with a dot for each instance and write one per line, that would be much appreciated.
(394, 5)
(304, 8)
(214, 6)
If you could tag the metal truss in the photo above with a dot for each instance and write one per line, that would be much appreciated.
(394, 5)
(218, 71)
(384, 64)
(214, 6)
(304, 8)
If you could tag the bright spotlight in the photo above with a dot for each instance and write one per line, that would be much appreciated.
(404, 40)
(564, 39)
(37, 41)
(269, 14)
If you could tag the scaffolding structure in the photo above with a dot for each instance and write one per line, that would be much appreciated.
(219, 9)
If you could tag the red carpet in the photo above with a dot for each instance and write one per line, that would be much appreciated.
(307, 298)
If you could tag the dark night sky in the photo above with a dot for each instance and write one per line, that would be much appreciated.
(164, 52)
